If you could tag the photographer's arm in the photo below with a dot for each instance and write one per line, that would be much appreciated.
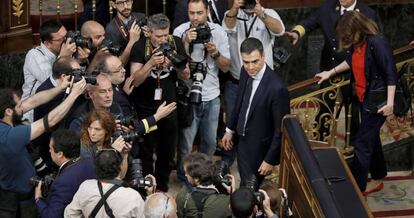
(272, 23)
(134, 35)
(54, 116)
(43, 97)
(142, 71)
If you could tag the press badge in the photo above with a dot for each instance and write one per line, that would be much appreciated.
(158, 94)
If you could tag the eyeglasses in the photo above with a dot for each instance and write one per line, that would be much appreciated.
(59, 40)
(122, 3)
(120, 69)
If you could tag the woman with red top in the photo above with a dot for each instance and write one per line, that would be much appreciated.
(373, 68)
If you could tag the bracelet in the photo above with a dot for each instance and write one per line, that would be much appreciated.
(335, 70)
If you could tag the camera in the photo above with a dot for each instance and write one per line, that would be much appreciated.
(47, 181)
(249, 4)
(128, 121)
(115, 50)
(224, 169)
(138, 180)
(177, 60)
(90, 77)
(280, 56)
(198, 72)
(203, 34)
(79, 40)
(140, 22)
(128, 137)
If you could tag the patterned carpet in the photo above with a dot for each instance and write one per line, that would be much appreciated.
(396, 199)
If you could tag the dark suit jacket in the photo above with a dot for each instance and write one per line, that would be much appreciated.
(326, 17)
(262, 140)
(380, 69)
(64, 188)
(181, 11)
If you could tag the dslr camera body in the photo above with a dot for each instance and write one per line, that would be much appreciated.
(114, 50)
(128, 137)
(140, 22)
(79, 40)
(90, 77)
(177, 60)
(198, 72)
(46, 182)
(203, 34)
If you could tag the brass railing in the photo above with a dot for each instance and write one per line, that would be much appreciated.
(308, 106)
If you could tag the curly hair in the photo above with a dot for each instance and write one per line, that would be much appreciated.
(107, 122)
(201, 168)
(108, 163)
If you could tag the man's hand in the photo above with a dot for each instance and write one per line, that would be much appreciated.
(266, 204)
(129, 86)
(236, 5)
(265, 169)
(156, 59)
(66, 82)
(67, 48)
(227, 141)
(258, 9)
(211, 47)
(294, 38)
(190, 35)
(164, 110)
(134, 32)
(38, 190)
(83, 54)
(153, 188)
(79, 87)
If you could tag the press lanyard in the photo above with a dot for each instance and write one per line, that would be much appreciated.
(248, 31)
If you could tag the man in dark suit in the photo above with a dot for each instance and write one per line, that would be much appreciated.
(217, 8)
(325, 17)
(60, 72)
(262, 101)
(65, 151)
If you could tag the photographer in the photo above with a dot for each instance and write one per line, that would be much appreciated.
(201, 40)
(203, 198)
(123, 30)
(16, 166)
(248, 204)
(155, 81)
(64, 150)
(38, 61)
(96, 32)
(159, 205)
(61, 70)
(107, 196)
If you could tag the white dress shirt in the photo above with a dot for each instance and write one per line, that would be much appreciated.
(350, 8)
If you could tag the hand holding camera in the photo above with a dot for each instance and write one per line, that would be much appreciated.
(191, 34)
(121, 145)
(150, 188)
(266, 204)
(68, 48)
(83, 54)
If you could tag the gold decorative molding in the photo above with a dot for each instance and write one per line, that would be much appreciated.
(17, 9)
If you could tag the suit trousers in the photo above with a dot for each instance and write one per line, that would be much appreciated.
(368, 149)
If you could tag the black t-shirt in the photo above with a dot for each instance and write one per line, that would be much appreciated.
(113, 32)
(143, 95)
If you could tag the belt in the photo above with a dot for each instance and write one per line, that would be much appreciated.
(233, 80)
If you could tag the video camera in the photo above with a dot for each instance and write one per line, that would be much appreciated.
(203, 34)
(177, 60)
(90, 77)
(138, 179)
(115, 50)
(47, 181)
(198, 72)
(249, 4)
(79, 40)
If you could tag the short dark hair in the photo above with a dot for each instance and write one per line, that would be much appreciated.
(102, 64)
(197, 1)
(242, 202)
(67, 142)
(6, 100)
(61, 66)
(108, 163)
(251, 44)
(201, 167)
(47, 28)
(275, 195)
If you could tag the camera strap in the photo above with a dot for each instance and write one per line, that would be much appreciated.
(122, 28)
(248, 31)
(103, 202)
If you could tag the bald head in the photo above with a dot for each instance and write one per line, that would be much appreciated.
(95, 31)
(159, 205)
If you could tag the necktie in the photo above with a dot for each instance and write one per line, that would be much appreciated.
(213, 13)
(246, 100)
